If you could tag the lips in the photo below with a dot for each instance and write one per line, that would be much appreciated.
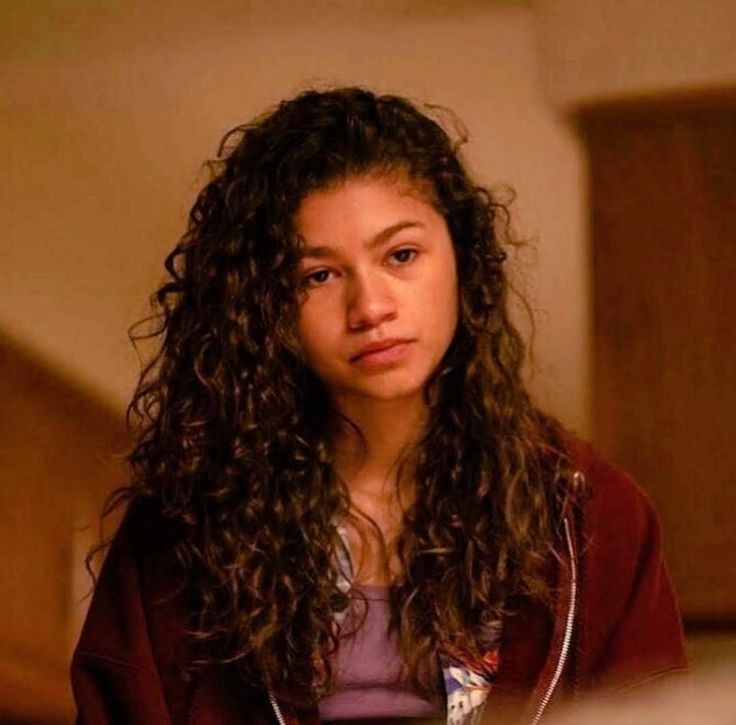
(378, 346)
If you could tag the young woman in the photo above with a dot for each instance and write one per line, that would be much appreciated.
(344, 505)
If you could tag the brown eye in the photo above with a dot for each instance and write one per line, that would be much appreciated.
(404, 256)
(316, 278)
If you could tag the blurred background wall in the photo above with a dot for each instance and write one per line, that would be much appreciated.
(107, 114)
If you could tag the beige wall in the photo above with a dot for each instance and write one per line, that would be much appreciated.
(602, 49)
(110, 113)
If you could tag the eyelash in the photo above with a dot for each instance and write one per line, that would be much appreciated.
(309, 281)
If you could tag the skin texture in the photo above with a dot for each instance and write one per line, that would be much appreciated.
(389, 273)
(404, 287)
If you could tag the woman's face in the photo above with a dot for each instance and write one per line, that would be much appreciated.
(379, 280)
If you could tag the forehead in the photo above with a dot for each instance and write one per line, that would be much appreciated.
(362, 206)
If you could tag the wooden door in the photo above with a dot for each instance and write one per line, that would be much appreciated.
(663, 234)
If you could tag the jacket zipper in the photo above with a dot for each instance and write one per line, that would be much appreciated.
(567, 639)
(564, 650)
(276, 709)
(345, 567)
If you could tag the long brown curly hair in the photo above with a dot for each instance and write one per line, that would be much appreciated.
(231, 427)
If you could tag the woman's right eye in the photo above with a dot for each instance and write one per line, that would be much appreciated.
(316, 278)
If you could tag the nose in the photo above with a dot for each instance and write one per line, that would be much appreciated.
(370, 302)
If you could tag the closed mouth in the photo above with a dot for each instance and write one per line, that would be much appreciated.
(372, 349)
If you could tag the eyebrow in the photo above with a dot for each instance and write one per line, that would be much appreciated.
(382, 236)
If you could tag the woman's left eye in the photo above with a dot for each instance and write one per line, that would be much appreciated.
(402, 256)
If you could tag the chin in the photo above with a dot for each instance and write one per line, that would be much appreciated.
(381, 386)
(387, 390)
(388, 396)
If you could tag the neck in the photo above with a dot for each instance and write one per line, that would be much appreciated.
(389, 428)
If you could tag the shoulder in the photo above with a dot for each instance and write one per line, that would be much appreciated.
(143, 555)
(619, 533)
(144, 530)
(610, 499)
(136, 574)
(135, 630)
(630, 625)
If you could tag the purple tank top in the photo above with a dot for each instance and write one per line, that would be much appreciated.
(370, 684)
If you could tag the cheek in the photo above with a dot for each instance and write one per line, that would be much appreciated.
(446, 291)
(453, 313)
(314, 335)
(305, 329)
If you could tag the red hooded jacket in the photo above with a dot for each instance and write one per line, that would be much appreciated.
(615, 625)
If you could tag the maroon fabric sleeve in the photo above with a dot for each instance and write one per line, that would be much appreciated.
(630, 624)
(114, 674)
(129, 662)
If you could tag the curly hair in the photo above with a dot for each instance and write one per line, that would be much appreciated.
(231, 439)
